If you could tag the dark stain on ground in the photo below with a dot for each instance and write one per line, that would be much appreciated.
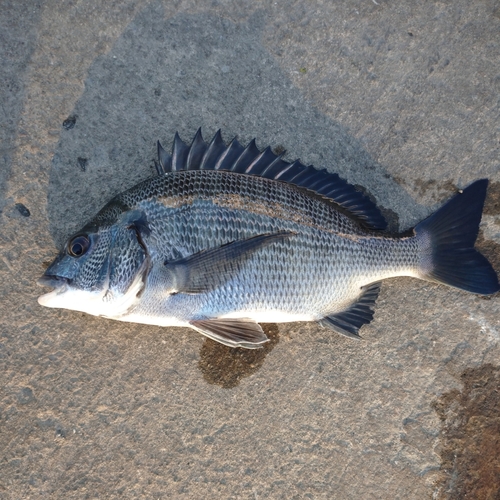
(440, 190)
(492, 205)
(421, 186)
(470, 443)
(490, 249)
(279, 149)
(226, 366)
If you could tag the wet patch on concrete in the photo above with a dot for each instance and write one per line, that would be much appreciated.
(226, 366)
(441, 189)
(490, 249)
(470, 436)
(492, 204)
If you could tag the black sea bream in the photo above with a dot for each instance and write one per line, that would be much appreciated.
(226, 237)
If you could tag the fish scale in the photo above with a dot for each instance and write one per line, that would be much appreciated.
(226, 237)
(318, 269)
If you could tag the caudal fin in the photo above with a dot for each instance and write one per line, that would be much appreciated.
(447, 238)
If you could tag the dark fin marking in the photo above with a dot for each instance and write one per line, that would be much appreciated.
(164, 164)
(359, 313)
(449, 236)
(196, 152)
(240, 332)
(320, 181)
(251, 161)
(209, 269)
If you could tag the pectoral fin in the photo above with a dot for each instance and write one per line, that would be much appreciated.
(360, 313)
(240, 332)
(209, 269)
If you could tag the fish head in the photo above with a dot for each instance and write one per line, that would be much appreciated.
(102, 268)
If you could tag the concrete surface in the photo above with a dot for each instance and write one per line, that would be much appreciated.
(398, 97)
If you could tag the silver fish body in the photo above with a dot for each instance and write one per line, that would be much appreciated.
(220, 243)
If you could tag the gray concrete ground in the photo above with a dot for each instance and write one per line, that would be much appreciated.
(398, 97)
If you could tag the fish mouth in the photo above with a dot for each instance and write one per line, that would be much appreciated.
(58, 284)
(52, 281)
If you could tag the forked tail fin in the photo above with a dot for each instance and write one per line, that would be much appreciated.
(447, 238)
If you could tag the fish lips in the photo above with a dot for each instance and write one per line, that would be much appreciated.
(52, 281)
(59, 284)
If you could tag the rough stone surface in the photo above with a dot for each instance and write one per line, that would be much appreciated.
(400, 98)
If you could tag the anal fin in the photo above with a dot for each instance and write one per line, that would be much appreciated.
(359, 313)
(239, 332)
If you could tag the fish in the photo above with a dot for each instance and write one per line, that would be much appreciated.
(226, 237)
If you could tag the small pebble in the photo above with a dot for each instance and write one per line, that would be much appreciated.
(23, 210)
(69, 123)
(82, 163)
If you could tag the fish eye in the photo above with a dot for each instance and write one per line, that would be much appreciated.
(78, 246)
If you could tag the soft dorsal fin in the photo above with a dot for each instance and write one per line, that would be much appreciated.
(251, 161)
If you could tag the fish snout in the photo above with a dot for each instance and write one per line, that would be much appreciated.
(52, 281)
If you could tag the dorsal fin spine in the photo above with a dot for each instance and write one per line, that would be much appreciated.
(213, 151)
(228, 151)
(179, 154)
(261, 162)
(253, 165)
(269, 172)
(164, 164)
(246, 157)
(284, 171)
(196, 152)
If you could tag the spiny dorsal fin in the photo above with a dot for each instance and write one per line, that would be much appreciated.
(250, 160)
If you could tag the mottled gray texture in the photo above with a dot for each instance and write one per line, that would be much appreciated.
(18, 29)
(391, 96)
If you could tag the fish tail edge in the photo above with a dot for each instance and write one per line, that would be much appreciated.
(447, 241)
